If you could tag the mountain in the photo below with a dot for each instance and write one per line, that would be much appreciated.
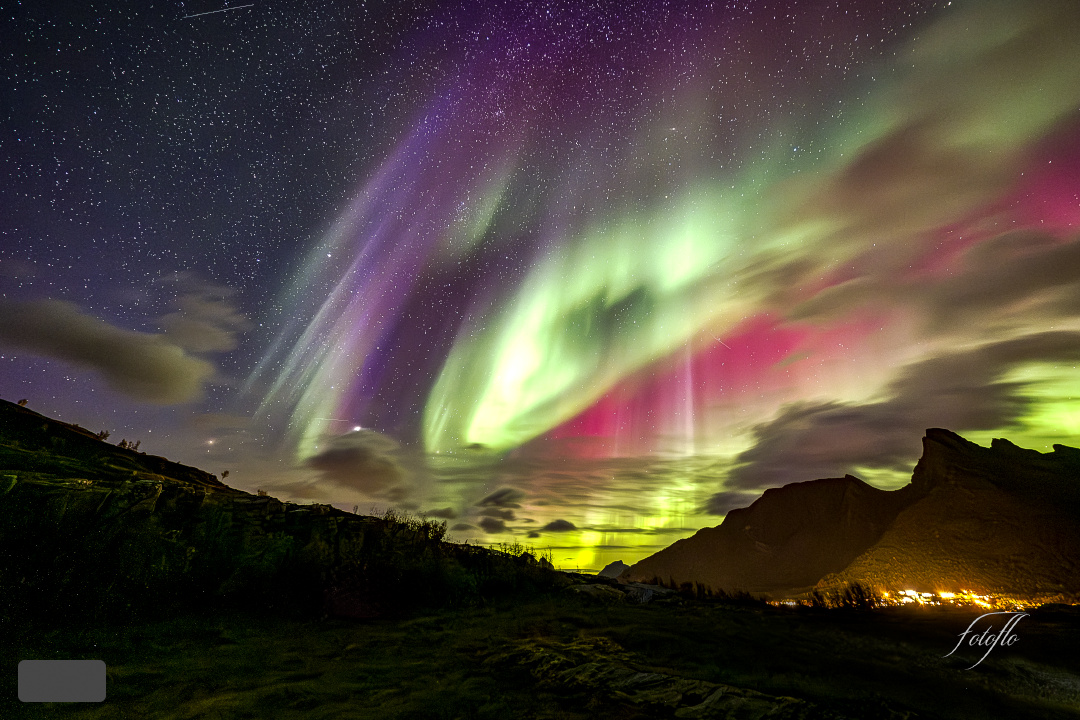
(788, 538)
(1001, 519)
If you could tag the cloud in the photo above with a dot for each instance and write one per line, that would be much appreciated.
(559, 525)
(504, 498)
(447, 513)
(961, 391)
(463, 526)
(1011, 281)
(491, 525)
(501, 513)
(207, 320)
(980, 87)
(159, 368)
(724, 502)
(143, 366)
(363, 460)
(807, 441)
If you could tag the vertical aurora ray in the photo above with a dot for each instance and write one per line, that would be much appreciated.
(370, 260)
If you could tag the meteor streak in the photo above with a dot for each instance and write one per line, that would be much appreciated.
(211, 12)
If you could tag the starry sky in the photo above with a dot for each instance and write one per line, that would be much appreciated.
(583, 276)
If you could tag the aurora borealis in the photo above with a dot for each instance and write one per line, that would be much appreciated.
(584, 276)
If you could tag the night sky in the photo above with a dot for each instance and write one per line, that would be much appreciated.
(579, 275)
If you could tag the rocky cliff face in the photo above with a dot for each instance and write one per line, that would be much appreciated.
(1001, 519)
(1043, 478)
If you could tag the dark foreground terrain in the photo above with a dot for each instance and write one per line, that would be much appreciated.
(208, 602)
(559, 656)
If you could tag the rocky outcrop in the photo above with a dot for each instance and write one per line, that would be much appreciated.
(596, 667)
(1001, 519)
(1030, 476)
(614, 570)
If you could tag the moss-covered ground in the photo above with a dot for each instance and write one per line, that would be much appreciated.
(473, 663)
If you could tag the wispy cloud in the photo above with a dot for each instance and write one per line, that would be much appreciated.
(962, 391)
(143, 366)
(206, 319)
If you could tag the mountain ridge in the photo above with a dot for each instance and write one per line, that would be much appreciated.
(1000, 519)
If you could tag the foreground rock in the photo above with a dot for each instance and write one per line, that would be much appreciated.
(1000, 520)
(597, 668)
(614, 569)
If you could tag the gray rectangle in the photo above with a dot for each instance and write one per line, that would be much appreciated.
(62, 680)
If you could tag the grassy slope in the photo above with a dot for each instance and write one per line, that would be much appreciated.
(461, 664)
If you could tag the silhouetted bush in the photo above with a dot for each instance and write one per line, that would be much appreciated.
(88, 564)
(853, 596)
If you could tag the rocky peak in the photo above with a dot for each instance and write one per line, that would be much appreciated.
(614, 570)
(944, 453)
(961, 496)
(950, 459)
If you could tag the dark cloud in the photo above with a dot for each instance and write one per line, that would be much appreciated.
(724, 502)
(501, 513)
(463, 526)
(816, 440)
(206, 319)
(907, 181)
(1014, 280)
(491, 525)
(362, 460)
(962, 391)
(142, 366)
(533, 534)
(559, 525)
(947, 149)
(504, 498)
(1011, 280)
(447, 513)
